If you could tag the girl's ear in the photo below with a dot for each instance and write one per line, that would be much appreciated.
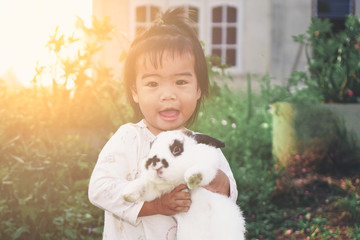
(134, 94)
(198, 93)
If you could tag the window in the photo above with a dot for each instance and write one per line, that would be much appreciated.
(224, 37)
(334, 10)
(218, 23)
(144, 15)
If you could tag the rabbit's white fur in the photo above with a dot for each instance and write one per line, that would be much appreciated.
(176, 158)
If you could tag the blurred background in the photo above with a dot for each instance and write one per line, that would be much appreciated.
(285, 92)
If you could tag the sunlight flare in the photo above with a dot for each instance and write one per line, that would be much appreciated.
(25, 27)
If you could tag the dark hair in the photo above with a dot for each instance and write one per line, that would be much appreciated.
(170, 32)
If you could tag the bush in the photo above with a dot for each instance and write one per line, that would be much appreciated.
(50, 139)
(80, 84)
(44, 188)
(334, 60)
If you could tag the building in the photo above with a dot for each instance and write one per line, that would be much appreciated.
(253, 36)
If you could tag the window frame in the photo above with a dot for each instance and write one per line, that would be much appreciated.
(204, 22)
(134, 4)
(238, 46)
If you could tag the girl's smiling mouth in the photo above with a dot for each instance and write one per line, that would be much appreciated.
(169, 114)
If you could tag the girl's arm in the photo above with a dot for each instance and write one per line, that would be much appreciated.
(168, 204)
(220, 184)
(224, 182)
(116, 165)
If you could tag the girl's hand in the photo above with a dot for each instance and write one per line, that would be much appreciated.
(174, 202)
(168, 204)
(220, 184)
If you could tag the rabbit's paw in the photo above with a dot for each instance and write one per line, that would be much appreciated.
(194, 180)
(131, 193)
(131, 197)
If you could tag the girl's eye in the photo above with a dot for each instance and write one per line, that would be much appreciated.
(181, 82)
(152, 84)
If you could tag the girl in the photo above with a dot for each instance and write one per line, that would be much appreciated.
(166, 79)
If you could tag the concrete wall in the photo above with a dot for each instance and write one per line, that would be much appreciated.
(322, 130)
(289, 18)
(257, 36)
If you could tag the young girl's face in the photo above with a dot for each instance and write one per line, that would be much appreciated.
(167, 95)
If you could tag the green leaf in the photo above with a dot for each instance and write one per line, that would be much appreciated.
(70, 233)
(59, 221)
(20, 231)
(83, 165)
(299, 38)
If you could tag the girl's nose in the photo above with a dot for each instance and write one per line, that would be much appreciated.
(167, 95)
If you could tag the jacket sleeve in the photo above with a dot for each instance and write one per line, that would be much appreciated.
(225, 167)
(116, 165)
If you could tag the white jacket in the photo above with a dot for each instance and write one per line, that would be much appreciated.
(119, 162)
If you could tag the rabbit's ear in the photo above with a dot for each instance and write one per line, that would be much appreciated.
(188, 133)
(205, 139)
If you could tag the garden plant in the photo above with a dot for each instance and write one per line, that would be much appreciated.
(333, 60)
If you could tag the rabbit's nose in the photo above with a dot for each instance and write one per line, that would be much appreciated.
(164, 163)
(152, 161)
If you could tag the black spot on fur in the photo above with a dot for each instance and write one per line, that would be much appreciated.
(177, 148)
(152, 161)
(164, 163)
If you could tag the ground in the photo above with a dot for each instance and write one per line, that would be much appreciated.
(330, 207)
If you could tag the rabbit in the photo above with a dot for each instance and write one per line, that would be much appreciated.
(183, 157)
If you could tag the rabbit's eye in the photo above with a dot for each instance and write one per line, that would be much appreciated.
(177, 148)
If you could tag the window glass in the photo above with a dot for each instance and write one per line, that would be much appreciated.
(153, 13)
(335, 11)
(141, 14)
(231, 14)
(144, 15)
(231, 35)
(217, 15)
(231, 57)
(216, 35)
(333, 8)
(216, 52)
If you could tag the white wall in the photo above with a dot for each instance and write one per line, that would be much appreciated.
(118, 11)
(289, 18)
(257, 36)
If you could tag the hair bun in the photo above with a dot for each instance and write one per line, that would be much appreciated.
(175, 16)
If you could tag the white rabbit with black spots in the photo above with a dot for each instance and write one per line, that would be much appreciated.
(182, 157)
